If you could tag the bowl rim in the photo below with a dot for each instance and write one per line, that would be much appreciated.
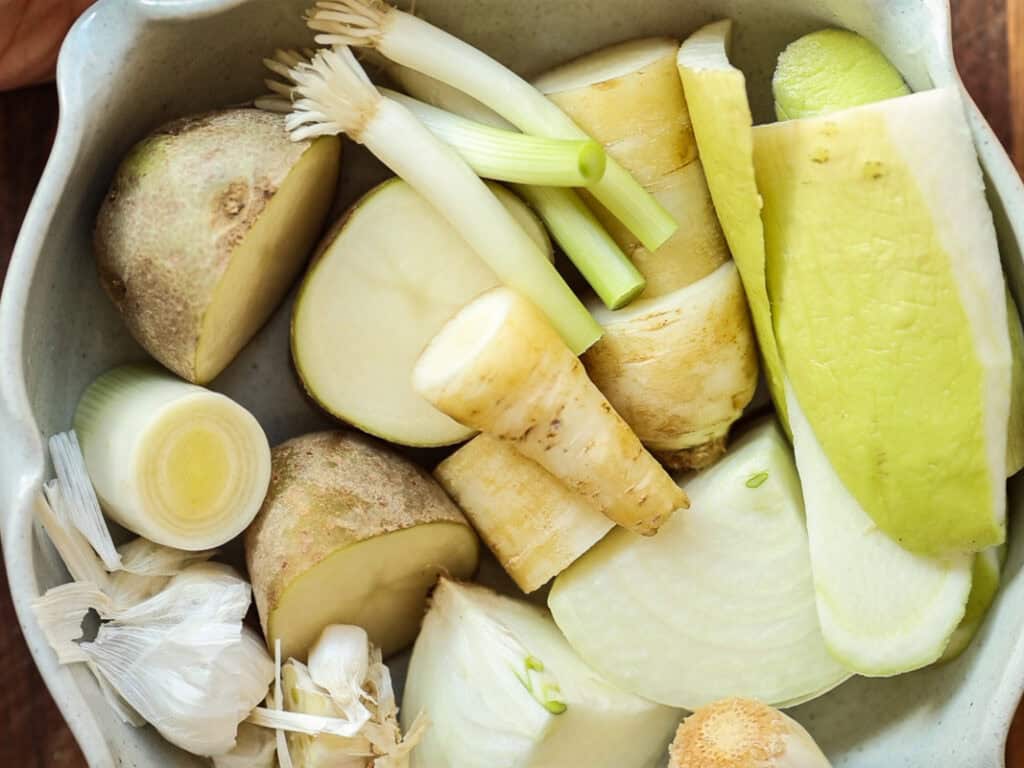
(24, 463)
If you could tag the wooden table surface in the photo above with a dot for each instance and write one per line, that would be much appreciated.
(989, 40)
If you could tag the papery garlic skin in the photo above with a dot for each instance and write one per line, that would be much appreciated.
(181, 659)
(254, 748)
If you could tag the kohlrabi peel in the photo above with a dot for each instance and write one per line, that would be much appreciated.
(883, 610)
(503, 688)
(720, 603)
(829, 70)
(882, 266)
(716, 95)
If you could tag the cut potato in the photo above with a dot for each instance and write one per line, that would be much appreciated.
(883, 610)
(680, 368)
(500, 367)
(534, 525)
(350, 533)
(629, 98)
(719, 603)
(502, 688)
(206, 224)
(385, 280)
(892, 324)
(716, 94)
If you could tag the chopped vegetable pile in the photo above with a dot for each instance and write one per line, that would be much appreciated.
(593, 419)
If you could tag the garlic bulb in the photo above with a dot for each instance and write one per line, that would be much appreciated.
(181, 659)
(742, 733)
(146, 568)
(340, 710)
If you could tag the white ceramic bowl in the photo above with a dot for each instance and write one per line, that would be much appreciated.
(130, 65)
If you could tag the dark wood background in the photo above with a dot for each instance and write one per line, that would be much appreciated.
(989, 40)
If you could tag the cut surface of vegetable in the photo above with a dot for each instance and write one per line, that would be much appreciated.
(731, 607)
(829, 70)
(1015, 431)
(883, 610)
(985, 577)
(334, 95)
(503, 688)
(351, 533)
(743, 733)
(679, 368)
(509, 155)
(375, 294)
(207, 223)
(628, 97)
(414, 43)
(173, 462)
(716, 95)
(532, 523)
(912, 295)
(499, 367)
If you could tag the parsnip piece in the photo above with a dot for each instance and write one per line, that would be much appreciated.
(533, 524)
(743, 733)
(206, 224)
(499, 367)
(375, 294)
(350, 533)
(716, 94)
(889, 307)
(735, 611)
(174, 462)
(502, 688)
(679, 368)
(629, 98)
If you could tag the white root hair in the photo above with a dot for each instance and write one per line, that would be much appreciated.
(323, 93)
(348, 22)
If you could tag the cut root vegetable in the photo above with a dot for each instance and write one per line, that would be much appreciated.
(716, 95)
(499, 367)
(581, 236)
(173, 462)
(334, 95)
(502, 688)
(829, 70)
(372, 300)
(742, 733)
(735, 611)
(985, 577)
(533, 524)
(883, 610)
(414, 43)
(679, 368)
(205, 226)
(351, 533)
(911, 295)
(629, 98)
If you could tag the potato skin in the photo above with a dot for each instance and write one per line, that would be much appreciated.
(181, 201)
(329, 490)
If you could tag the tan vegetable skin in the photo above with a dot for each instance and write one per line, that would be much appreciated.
(205, 226)
(534, 525)
(351, 533)
(499, 367)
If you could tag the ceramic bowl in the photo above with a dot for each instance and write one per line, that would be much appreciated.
(130, 65)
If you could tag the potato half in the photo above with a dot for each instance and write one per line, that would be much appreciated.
(206, 224)
(351, 533)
